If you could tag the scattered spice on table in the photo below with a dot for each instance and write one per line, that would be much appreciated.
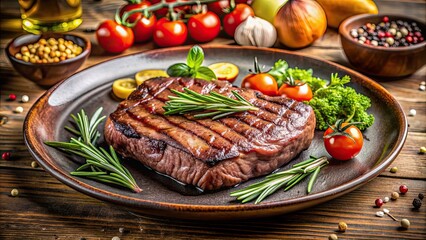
(394, 170)
(422, 150)
(19, 109)
(333, 237)
(34, 164)
(405, 223)
(14, 192)
(342, 226)
(412, 112)
(12, 97)
(378, 202)
(25, 98)
(387, 212)
(6, 155)
(421, 196)
(395, 196)
(380, 214)
(417, 203)
(115, 238)
(386, 199)
(403, 189)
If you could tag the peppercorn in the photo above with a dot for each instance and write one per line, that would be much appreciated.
(19, 109)
(25, 98)
(378, 202)
(5, 155)
(14, 192)
(421, 196)
(403, 189)
(405, 223)
(12, 97)
(394, 170)
(333, 237)
(417, 203)
(395, 195)
(34, 164)
(342, 226)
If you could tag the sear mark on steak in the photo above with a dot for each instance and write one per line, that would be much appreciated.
(209, 154)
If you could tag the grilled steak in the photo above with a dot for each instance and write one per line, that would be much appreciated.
(209, 154)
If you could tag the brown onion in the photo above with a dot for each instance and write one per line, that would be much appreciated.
(300, 22)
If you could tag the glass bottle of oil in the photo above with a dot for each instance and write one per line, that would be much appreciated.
(50, 15)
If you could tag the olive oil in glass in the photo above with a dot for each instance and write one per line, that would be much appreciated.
(40, 16)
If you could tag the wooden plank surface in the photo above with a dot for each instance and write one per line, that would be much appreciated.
(48, 209)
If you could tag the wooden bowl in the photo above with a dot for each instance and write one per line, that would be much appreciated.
(381, 61)
(47, 74)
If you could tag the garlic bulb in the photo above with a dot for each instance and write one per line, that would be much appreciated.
(256, 31)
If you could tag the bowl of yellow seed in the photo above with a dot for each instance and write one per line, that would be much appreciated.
(49, 58)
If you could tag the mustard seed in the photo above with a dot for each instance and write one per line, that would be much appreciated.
(342, 226)
(394, 170)
(395, 195)
(333, 237)
(34, 164)
(14, 192)
(405, 223)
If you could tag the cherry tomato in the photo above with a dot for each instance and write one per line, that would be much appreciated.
(342, 147)
(225, 71)
(132, 18)
(262, 82)
(144, 28)
(114, 37)
(218, 7)
(299, 92)
(123, 87)
(169, 33)
(204, 27)
(238, 15)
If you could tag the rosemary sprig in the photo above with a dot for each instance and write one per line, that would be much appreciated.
(100, 165)
(213, 105)
(286, 179)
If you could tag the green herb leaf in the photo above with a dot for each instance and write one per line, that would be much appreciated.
(179, 70)
(104, 165)
(195, 57)
(286, 179)
(205, 73)
(279, 71)
(213, 105)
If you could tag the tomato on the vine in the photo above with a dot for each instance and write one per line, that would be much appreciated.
(144, 28)
(343, 141)
(263, 82)
(218, 7)
(130, 6)
(163, 11)
(170, 33)
(114, 37)
(296, 90)
(204, 27)
(238, 15)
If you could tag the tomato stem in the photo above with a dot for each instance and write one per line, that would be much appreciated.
(163, 4)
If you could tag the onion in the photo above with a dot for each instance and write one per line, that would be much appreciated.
(300, 22)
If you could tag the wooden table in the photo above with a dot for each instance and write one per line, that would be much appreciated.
(48, 209)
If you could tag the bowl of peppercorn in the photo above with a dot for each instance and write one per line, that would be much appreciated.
(48, 58)
(384, 45)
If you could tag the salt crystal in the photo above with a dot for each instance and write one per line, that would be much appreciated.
(380, 214)
(386, 199)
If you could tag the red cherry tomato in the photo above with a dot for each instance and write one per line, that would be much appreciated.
(262, 82)
(238, 15)
(169, 33)
(114, 37)
(144, 28)
(204, 27)
(132, 18)
(342, 147)
(299, 92)
(218, 7)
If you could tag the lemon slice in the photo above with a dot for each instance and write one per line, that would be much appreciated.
(123, 87)
(146, 74)
(225, 71)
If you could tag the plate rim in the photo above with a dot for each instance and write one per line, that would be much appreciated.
(108, 196)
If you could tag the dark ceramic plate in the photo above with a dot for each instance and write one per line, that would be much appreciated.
(91, 88)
